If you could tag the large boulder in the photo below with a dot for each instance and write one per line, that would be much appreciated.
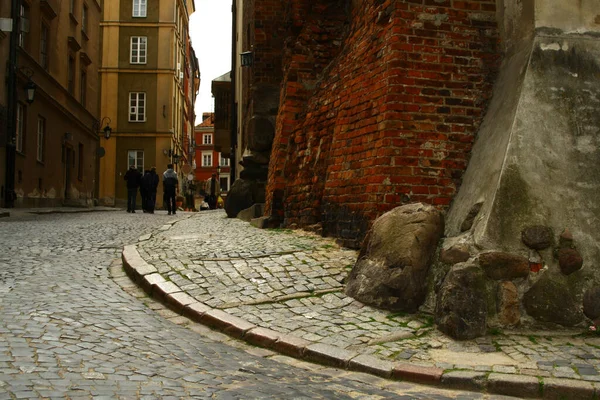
(242, 195)
(394, 261)
(549, 300)
(461, 306)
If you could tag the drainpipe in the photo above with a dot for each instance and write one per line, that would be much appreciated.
(233, 112)
(11, 114)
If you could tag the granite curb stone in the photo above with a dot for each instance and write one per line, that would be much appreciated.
(167, 292)
(329, 355)
(568, 389)
(371, 365)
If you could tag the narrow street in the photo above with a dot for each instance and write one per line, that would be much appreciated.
(67, 330)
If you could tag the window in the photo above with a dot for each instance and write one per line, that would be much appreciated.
(24, 17)
(83, 87)
(139, 8)
(72, 6)
(84, 19)
(80, 166)
(71, 74)
(207, 139)
(20, 131)
(137, 107)
(224, 162)
(207, 159)
(224, 182)
(136, 158)
(138, 50)
(44, 40)
(41, 138)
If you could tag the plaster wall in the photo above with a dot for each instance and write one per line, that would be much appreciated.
(570, 16)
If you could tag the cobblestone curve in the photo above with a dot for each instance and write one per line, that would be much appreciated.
(292, 282)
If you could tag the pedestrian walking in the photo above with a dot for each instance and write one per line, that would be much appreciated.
(212, 187)
(144, 190)
(170, 186)
(133, 178)
(152, 186)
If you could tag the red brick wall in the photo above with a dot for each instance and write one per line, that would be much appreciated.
(379, 106)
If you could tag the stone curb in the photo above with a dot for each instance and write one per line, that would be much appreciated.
(147, 277)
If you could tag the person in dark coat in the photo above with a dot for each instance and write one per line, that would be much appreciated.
(133, 178)
(150, 182)
(170, 185)
(144, 190)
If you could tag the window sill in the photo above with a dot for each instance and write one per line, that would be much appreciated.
(73, 19)
(40, 162)
(84, 35)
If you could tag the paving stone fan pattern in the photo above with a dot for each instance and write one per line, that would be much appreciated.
(292, 282)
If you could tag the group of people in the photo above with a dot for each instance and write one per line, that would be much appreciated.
(147, 185)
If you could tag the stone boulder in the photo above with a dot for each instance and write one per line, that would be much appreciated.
(504, 266)
(549, 300)
(391, 271)
(242, 195)
(591, 303)
(537, 237)
(508, 304)
(461, 306)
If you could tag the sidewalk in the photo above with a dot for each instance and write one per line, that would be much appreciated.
(283, 290)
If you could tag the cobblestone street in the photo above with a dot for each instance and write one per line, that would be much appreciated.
(72, 325)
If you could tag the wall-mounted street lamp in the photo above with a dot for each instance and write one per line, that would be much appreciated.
(247, 59)
(107, 129)
(30, 87)
(171, 153)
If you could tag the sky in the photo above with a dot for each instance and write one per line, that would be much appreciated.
(210, 31)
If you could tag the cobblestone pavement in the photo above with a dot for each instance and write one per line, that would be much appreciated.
(72, 325)
(292, 282)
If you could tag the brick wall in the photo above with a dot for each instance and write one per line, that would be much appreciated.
(380, 103)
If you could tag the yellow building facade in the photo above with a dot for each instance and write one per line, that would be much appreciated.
(143, 79)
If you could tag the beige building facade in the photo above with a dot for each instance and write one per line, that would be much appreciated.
(143, 78)
(48, 146)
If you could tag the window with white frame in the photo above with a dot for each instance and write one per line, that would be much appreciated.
(207, 159)
(41, 138)
(136, 158)
(138, 47)
(207, 138)
(223, 161)
(20, 127)
(139, 8)
(137, 107)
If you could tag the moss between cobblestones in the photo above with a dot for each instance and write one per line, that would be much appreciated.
(533, 339)
(541, 385)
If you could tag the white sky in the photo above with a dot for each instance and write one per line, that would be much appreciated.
(210, 31)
